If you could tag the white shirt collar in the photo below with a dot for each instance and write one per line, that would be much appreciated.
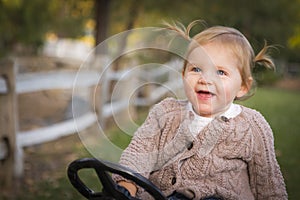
(199, 122)
(233, 111)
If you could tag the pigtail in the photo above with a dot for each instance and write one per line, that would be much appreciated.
(180, 29)
(264, 59)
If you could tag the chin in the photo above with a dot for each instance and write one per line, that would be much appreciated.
(204, 113)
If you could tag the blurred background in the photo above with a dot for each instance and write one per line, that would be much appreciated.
(45, 37)
(27, 26)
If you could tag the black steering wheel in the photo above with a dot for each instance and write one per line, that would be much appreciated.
(111, 190)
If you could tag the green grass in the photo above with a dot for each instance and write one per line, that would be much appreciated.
(280, 108)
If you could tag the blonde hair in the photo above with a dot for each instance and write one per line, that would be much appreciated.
(237, 42)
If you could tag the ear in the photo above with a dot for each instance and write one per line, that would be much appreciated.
(245, 87)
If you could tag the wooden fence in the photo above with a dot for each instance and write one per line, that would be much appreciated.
(7, 123)
(13, 141)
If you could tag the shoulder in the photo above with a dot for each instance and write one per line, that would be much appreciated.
(169, 111)
(169, 105)
(165, 115)
(253, 115)
(259, 125)
(250, 111)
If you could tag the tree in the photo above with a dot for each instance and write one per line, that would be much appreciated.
(102, 22)
(24, 23)
(19, 23)
(275, 21)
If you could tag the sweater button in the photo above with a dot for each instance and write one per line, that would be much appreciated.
(225, 119)
(173, 180)
(190, 146)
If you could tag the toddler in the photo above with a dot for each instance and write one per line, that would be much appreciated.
(208, 147)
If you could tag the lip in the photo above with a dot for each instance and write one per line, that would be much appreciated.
(204, 94)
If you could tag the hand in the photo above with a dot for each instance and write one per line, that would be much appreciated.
(132, 189)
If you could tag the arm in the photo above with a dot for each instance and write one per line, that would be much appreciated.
(266, 179)
(141, 153)
(137, 155)
(158, 140)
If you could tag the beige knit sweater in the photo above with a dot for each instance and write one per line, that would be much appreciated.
(231, 158)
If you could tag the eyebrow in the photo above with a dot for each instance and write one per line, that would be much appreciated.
(223, 67)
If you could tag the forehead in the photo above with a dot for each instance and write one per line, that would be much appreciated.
(213, 54)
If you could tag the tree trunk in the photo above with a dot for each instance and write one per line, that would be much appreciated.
(133, 14)
(102, 21)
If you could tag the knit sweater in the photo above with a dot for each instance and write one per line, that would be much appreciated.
(231, 158)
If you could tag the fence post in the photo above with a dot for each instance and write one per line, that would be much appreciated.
(8, 123)
(99, 96)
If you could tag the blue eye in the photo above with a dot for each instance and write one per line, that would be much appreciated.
(196, 69)
(221, 72)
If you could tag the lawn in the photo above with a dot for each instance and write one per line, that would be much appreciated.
(281, 108)
(45, 176)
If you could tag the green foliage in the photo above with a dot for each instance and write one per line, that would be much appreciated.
(294, 41)
(265, 77)
(71, 16)
(24, 23)
(274, 21)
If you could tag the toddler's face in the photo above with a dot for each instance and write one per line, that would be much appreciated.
(212, 79)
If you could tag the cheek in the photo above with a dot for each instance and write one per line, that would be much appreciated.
(231, 90)
(190, 81)
(188, 86)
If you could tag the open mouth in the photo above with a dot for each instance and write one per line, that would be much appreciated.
(204, 94)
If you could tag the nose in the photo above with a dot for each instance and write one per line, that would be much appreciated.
(204, 80)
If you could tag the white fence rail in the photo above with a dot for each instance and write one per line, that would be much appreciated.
(38, 81)
(32, 82)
